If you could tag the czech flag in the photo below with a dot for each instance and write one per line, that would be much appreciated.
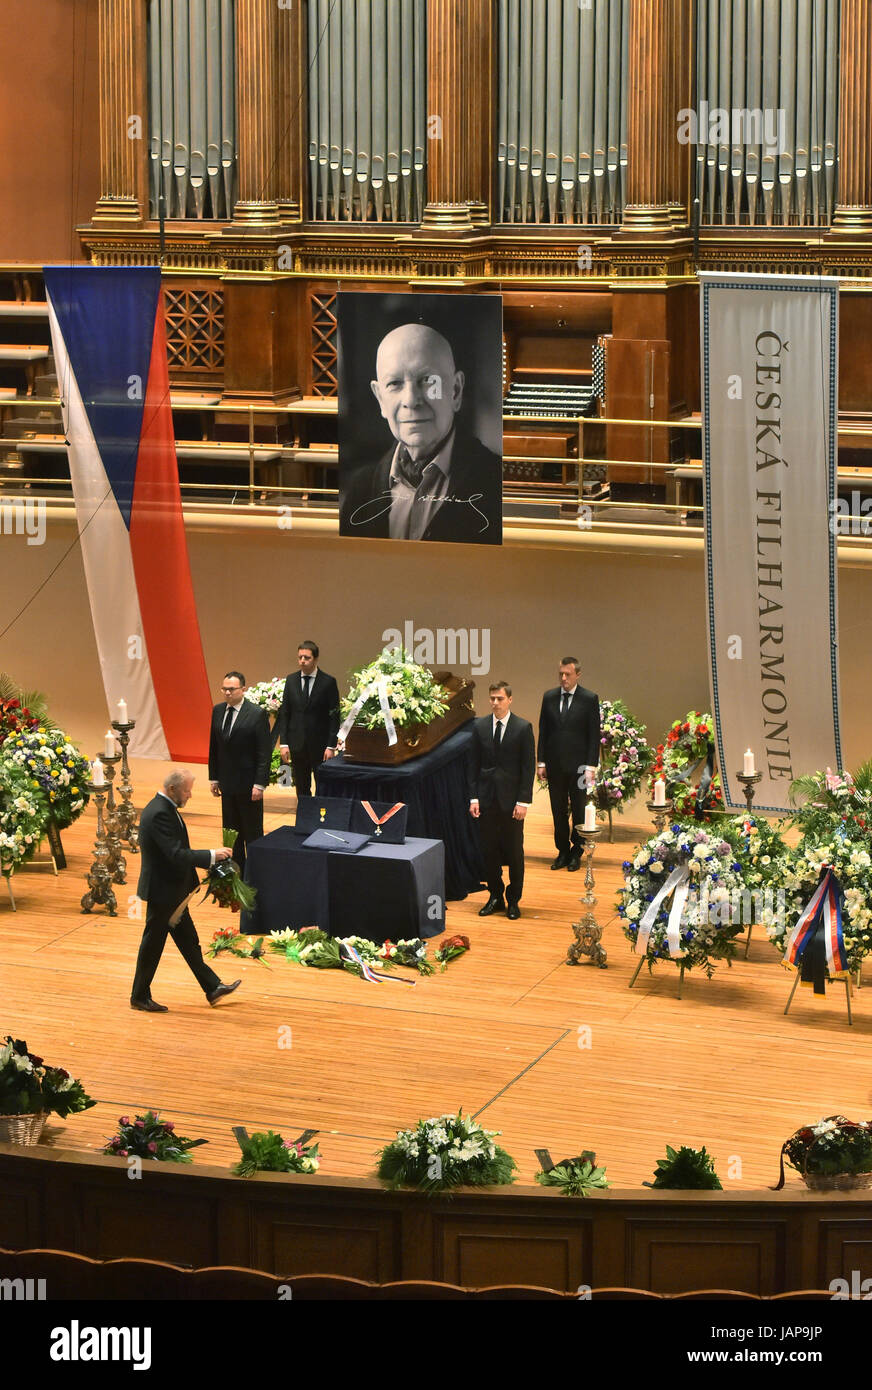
(107, 329)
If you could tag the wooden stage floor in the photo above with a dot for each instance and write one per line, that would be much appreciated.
(503, 1032)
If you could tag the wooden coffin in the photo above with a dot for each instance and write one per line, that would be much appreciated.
(371, 745)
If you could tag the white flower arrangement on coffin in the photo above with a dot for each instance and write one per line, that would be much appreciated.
(413, 694)
(677, 899)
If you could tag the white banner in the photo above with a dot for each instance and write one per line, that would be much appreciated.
(770, 404)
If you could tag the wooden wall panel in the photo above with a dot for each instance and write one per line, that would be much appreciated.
(143, 1220)
(678, 1256)
(311, 1241)
(476, 1252)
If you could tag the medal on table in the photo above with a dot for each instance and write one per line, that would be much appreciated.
(379, 821)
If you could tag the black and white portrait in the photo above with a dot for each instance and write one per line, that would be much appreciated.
(420, 417)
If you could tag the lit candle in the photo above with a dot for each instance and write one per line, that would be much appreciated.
(122, 711)
(660, 792)
(97, 773)
(750, 769)
(109, 744)
(590, 816)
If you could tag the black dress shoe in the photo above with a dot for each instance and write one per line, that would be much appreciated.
(220, 990)
(148, 1006)
(574, 863)
(561, 861)
(493, 904)
(513, 912)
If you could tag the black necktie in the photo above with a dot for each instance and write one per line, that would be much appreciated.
(306, 680)
(498, 736)
(228, 720)
(564, 704)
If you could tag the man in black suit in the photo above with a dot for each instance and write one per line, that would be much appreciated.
(436, 482)
(240, 748)
(308, 720)
(501, 771)
(568, 754)
(167, 875)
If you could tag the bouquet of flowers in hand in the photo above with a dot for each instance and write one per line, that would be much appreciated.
(444, 1152)
(28, 1084)
(147, 1136)
(452, 948)
(412, 953)
(224, 883)
(228, 939)
(269, 1153)
(414, 696)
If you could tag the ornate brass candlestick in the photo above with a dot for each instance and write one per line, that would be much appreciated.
(115, 861)
(749, 781)
(588, 932)
(127, 812)
(662, 814)
(100, 877)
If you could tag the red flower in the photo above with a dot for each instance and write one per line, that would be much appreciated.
(806, 1136)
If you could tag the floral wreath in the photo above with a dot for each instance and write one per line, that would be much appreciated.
(625, 756)
(713, 875)
(55, 769)
(759, 848)
(687, 744)
(22, 817)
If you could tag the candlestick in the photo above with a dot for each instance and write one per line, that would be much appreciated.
(99, 878)
(661, 814)
(122, 712)
(660, 792)
(749, 781)
(115, 861)
(127, 812)
(97, 775)
(590, 817)
(588, 932)
(749, 769)
(109, 750)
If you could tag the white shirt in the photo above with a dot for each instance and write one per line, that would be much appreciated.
(569, 694)
(494, 722)
(412, 509)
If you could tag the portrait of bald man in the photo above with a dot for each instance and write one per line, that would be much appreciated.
(435, 480)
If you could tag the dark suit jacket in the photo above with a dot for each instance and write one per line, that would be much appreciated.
(567, 744)
(167, 869)
(309, 727)
(507, 778)
(476, 482)
(238, 762)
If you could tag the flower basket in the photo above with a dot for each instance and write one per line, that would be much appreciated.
(22, 1129)
(837, 1182)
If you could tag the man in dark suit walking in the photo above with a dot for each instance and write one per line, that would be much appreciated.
(240, 748)
(501, 771)
(568, 754)
(167, 876)
(308, 720)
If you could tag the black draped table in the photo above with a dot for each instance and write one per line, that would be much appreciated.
(434, 788)
(383, 891)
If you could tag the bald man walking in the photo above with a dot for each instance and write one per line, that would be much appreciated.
(436, 482)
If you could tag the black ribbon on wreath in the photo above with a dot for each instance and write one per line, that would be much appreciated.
(703, 791)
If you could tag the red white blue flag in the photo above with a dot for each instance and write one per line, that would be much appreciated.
(107, 328)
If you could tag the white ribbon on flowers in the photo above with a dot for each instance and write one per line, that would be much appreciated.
(379, 688)
(678, 883)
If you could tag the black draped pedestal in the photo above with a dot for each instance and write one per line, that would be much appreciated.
(435, 790)
(384, 892)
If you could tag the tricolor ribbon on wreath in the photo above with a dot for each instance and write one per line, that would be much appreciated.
(351, 953)
(816, 945)
(379, 688)
(678, 883)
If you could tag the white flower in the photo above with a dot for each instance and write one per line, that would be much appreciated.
(656, 867)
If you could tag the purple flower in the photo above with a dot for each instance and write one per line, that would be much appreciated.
(125, 1120)
(122, 1153)
(152, 1147)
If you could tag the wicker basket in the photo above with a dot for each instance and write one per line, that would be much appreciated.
(837, 1182)
(22, 1129)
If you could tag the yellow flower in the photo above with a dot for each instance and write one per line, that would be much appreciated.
(74, 791)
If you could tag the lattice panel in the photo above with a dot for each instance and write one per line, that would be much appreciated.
(195, 329)
(324, 361)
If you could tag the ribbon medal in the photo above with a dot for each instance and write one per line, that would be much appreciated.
(379, 821)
